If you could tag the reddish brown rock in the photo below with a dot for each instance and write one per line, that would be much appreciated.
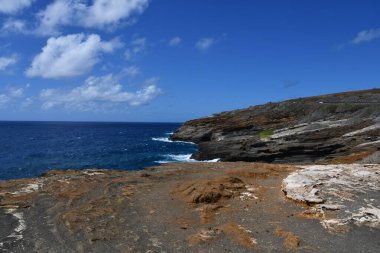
(115, 211)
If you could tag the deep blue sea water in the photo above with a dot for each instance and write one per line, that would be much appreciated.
(28, 149)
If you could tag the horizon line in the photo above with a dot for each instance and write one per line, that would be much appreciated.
(89, 121)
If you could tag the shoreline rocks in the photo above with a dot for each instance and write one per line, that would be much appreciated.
(321, 129)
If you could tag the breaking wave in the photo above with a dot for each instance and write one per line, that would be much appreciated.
(183, 158)
(166, 139)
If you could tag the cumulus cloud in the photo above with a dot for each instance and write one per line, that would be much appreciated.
(108, 12)
(7, 61)
(98, 93)
(99, 14)
(60, 12)
(13, 6)
(15, 96)
(366, 36)
(68, 56)
(137, 46)
(175, 41)
(205, 43)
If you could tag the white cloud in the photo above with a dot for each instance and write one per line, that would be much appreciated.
(137, 46)
(100, 14)
(139, 42)
(98, 93)
(175, 41)
(14, 25)
(131, 71)
(16, 92)
(69, 56)
(4, 100)
(13, 6)
(109, 12)
(7, 61)
(27, 103)
(61, 12)
(13, 95)
(205, 43)
(366, 36)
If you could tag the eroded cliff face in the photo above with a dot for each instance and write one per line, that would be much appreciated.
(336, 128)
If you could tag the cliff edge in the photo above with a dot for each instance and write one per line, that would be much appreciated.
(335, 128)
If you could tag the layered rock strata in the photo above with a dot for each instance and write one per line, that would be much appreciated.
(336, 128)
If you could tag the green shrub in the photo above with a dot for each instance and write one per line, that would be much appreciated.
(266, 134)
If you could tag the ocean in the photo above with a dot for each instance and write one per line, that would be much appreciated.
(29, 149)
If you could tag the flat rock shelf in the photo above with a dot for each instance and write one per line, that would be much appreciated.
(194, 207)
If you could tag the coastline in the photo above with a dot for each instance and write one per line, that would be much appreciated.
(315, 190)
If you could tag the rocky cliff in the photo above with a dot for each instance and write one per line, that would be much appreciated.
(335, 128)
(224, 206)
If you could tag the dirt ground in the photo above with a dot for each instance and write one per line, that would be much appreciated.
(187, 207)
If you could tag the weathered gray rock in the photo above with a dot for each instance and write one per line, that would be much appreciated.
(193, 207)
(336, 128)
(351, 190)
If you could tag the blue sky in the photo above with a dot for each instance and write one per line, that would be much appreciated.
(174, 60)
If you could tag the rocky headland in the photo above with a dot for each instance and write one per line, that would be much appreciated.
(342, 127)
(300, 175)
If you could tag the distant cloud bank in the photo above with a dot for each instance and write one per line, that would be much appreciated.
(98, 93)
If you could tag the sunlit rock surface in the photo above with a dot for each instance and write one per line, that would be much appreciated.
(336, 128)
(194, 207)
(351, 190)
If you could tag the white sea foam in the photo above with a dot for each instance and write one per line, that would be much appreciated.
(212, 160)
(183, 158)
(166, 139)
(163, 139)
